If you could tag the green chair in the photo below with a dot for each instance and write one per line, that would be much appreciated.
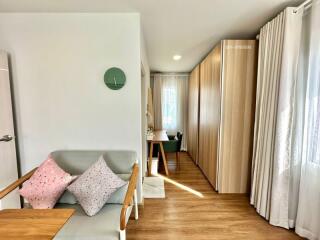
(174, 146)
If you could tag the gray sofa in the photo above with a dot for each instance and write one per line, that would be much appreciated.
(110, 222)
(106, 224)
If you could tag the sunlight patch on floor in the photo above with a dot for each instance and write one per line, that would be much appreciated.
(181, 186)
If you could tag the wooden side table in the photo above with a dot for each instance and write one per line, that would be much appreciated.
(32, 223)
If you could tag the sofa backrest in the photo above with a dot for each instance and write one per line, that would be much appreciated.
(76, 162)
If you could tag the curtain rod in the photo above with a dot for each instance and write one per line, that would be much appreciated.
(305, 4)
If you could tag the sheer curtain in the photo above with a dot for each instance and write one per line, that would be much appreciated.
(286, 160)
(157, 101)
(308, 217)
(172, 90)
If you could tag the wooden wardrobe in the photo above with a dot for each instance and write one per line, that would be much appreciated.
(193, 114)
(226, 114)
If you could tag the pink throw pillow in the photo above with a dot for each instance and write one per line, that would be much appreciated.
(46, 185)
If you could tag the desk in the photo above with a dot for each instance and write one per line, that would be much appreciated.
(32, 223)
(159, 137)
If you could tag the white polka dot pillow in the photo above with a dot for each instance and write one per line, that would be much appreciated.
(46, 185)
(94, 187)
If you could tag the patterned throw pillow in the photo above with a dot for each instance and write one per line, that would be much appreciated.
(46, 185)
(94, 187)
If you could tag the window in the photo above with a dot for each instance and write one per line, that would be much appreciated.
(170, 94)
(169, 107)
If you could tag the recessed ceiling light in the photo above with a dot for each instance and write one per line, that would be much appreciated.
(176, 57)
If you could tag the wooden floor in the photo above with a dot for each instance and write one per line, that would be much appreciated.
(197, 212)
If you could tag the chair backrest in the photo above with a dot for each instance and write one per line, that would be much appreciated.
(179, 136)
(76, 162)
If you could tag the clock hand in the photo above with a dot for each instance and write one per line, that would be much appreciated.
(114, 79)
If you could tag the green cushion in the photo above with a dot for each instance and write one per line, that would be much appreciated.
(105, 225)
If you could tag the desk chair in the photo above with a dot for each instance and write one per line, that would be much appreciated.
(174, 146)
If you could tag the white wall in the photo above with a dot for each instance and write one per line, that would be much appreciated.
(58, 65)
(145, 84)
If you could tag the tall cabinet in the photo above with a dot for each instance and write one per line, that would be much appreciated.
(209, 121)
(226, 114)
(193, 114)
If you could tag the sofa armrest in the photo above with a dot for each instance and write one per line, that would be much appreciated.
(129, 195)
(16, 184)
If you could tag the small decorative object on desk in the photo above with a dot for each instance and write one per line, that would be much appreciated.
(150, 134)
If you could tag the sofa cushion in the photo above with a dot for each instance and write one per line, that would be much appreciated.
(46, 185)
(77, 161)
(103, 226)
(94, 187)
(116, 197)
(67, 197)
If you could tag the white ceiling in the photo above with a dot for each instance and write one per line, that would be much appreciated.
(186, 27)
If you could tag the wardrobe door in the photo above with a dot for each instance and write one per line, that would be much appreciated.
(193, 114)
(210, 114)
(237, 116)
(203, 134)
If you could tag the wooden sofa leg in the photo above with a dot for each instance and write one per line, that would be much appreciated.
(135, 199)
(122, 234)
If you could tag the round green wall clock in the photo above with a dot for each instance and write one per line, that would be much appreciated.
(114, 78)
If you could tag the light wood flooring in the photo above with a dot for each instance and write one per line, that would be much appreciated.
(194, 211)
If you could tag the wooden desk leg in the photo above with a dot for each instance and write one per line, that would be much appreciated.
(178, 160)
(150, 158)
(164, 159)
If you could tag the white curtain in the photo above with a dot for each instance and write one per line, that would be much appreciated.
(286, 159)
(172, 90)
(308, 217)
(270, 58)
(283, 166)
(157, 101)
